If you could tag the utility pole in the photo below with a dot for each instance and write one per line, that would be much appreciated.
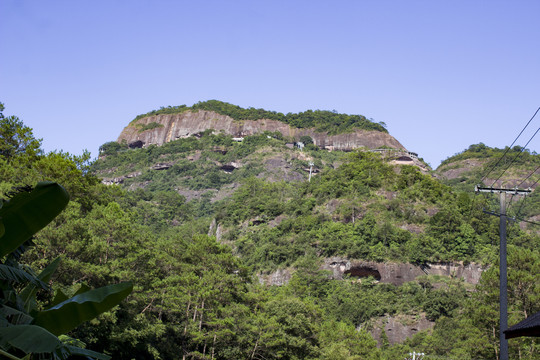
(503, 278)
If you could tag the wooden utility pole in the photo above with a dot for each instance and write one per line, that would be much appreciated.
(503, 278)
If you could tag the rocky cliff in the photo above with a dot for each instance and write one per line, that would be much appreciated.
(385, 272)
(160, 129)
(400, 273)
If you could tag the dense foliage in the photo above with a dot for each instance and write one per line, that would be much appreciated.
(492, 167)
(321, 120)
(482, 151)
(197, 297)
(372, 208)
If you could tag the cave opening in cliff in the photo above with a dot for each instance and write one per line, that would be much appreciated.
(404, 158)
(363, 272)
(228, 168)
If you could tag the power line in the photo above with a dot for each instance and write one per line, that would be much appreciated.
(535, 170)
(510, 204)
(527, 221)
(515, 158)
(503, 278)
(536, 182)
(508, 149)
(523, 202)
(520, 207)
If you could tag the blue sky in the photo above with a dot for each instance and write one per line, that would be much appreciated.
(441, 74)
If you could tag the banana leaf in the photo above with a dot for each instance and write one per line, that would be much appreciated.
(70, 313)
(58, 298)
(16, 317)
(28, 295)
(19, 276)
(29, 338)
(28, 212)
(88, 353)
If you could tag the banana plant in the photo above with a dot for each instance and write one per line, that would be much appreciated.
(25, 329)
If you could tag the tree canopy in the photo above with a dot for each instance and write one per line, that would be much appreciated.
(16, 138)
(198, 240)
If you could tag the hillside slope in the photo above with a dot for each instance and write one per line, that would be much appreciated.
(362, 243)
(500, 168)
(370, 240)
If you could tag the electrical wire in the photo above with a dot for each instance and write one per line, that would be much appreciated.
(508, 149)
(534, 183)
(510, 204)
(520, 207)
(525, 198)
(527, 221)
(515, 158)
(531, 174)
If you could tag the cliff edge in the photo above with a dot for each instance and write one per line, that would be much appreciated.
(163, 128)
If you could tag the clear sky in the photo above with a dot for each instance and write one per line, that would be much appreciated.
(441, 74)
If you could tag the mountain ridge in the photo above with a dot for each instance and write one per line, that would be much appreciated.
(328, 130)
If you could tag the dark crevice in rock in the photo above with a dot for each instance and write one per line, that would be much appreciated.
(362, 271)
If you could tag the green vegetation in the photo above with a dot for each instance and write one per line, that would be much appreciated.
(493, 163)
(196, 296)
(321, 120)
(365, 224)
(482, 151)
(197, 163)
(149, 126)
(512, 167)
(17, 139)
(26, 327)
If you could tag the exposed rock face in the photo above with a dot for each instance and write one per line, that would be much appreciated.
(458, 168)
(399, 273)
(391, 273)
(176, 126)
(120, 179)
(278, 278)
(400, 327)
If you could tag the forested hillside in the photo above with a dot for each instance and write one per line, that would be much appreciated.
(197, 223)
(492, 167)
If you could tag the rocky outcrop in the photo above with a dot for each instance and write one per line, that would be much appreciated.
(399, 273)
(399, 328)
(177, 126)
(120, 179)
(279, 277)
(391, 273)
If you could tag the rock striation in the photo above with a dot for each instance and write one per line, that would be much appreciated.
(399, 328)
(168, 127)
(385, 272)
(400, 273)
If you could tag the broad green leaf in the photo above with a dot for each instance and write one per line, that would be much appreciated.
(19, 276)
(29, 293)
(13, 357)
(68, 314)
(58, 298)
(84, 288)
(28, 212)
(16, 317)
(88, 353)
(29, 338)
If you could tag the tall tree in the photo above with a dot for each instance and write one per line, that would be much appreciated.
(16, 138)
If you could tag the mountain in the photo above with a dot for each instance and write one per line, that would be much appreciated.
(327, 130)
(209, 147)
(511, 168)
(370, 255)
